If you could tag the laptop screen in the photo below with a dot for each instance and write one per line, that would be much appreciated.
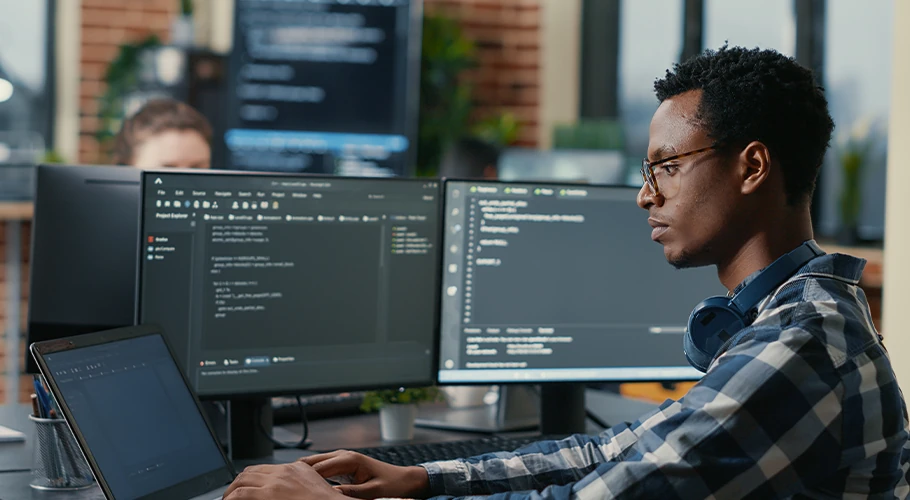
(135, 413)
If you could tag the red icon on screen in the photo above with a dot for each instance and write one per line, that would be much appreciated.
(151, 239)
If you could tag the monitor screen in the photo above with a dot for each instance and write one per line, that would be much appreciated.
(270, 284)
(324, 86)
(549, 282)
(77, 287)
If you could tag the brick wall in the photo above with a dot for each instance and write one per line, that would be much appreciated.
(507, 33)
(106, 24)
(23, 312)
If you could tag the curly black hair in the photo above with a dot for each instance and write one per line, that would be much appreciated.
(759, 95)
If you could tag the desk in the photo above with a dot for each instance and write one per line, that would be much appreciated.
(16, 456)
(359, 431)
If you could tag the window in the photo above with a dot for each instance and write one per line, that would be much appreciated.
(650, 43)
(858, 40)
(26, 89)
(769, 24)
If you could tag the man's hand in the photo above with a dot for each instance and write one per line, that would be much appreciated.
(280, 482)
(370, 477)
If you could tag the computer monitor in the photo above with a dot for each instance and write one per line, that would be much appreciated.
(290, 284)
(327, 86)
(547, 283)
(83, 251)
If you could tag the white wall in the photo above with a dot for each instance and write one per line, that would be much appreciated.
(68, 24)
(896, 293)
(560, 54)
(214, 24)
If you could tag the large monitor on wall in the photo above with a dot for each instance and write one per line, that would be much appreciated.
(279, 284)
(83, 251)
(560, 283)
(324, 86)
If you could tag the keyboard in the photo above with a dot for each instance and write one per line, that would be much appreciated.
(414, 454)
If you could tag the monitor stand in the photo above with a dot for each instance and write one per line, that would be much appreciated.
(562, 408)
(245, 420)
(559, 410)
(516, 410)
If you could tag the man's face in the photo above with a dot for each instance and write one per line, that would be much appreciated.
(696, 208)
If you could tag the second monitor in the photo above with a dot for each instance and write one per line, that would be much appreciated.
(560, 283)
(269, 285)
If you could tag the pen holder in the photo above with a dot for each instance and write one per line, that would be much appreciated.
(58, 463)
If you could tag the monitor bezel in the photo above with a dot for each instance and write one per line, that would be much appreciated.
(442, 225)
(251, 395)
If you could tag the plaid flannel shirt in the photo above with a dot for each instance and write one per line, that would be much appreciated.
(805, 406)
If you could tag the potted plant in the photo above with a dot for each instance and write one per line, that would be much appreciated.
(182, 29)
(398, 409)
(854, 158)
(447, 96)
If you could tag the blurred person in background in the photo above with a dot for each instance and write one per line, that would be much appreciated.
(164, 133)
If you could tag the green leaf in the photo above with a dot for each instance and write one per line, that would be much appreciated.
(374, 400)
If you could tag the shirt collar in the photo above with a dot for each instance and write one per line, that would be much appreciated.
(845, 267)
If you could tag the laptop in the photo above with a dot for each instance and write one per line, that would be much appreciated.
(134, 416)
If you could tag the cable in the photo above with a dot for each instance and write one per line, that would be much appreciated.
(300, 445)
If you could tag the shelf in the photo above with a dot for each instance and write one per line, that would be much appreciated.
(16, 210)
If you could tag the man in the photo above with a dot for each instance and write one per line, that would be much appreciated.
(801, 403)
(164, 133)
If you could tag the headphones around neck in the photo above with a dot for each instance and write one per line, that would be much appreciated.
(717, 319)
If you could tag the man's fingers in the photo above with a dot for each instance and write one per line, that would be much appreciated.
(261, 469)
(239, 493)
(251, 478)
(337, 466)
(365, 491)
(315, 459)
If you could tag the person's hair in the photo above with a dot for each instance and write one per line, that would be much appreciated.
(468, 158)
(155, 117)
(759, 95)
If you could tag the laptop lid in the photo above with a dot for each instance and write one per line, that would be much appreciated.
(133, 414)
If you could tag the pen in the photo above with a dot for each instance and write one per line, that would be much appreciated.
(35, 411)
(42, 409)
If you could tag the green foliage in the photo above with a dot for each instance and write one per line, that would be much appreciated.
(52, 156)
(855, 158)
(591, 134)
(446, 100)
(852, 163)
(500, 130)
(121, 77)
(374, 400)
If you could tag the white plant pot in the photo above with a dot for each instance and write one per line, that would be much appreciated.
(465, 396)
(396, 422)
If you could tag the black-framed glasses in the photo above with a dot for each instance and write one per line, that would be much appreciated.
(647, 168)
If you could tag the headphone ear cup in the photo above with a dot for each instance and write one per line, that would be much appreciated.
(696, 357)
(711, 325)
